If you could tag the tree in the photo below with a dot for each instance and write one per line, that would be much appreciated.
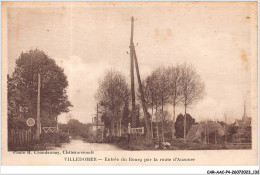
(162, 88)
(76, 128)
(179, 125)
(192, 89)
(126, 115)
(151, 96)
(156, 89)
(163, 117)
(22, 88)
(174, 75)
(112, 94)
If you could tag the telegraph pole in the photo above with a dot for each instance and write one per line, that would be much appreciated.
(97, 125)
(146, 114)
(133, 61)
(38, 108)
(133, 112)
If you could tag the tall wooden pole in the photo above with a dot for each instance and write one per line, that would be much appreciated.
(244, 116)
(185, 123)
(97, 125)
(152, 122)
(133, 112)
(147, 116)
(38, 108)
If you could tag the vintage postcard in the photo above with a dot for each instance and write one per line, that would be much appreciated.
(129, 83)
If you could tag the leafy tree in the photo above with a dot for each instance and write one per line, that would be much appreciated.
(151, 96)
(76, 128)
(179, 125)
(162, 86)
(192, 89)
(158, 87)
(151, 91)
(155, 92)
(126, 114)
(163, 117)
(105, 119)
(23, 87)
(112, 94)
(174, 75)
(173, 85)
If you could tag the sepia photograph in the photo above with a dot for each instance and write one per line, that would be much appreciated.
(91, 82)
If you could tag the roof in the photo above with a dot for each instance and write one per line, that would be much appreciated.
(243, 122)
(194, 132)
(203, 127)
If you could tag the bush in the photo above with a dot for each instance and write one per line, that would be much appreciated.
(63, 137)
(48, 137)
(17, 123)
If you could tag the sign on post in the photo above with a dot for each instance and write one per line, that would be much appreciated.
(30, 122)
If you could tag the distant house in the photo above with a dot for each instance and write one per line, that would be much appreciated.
(97, 125)
(242, 129)
(97, 128)
(206, 132)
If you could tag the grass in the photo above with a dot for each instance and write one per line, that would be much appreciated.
(33, 146)
(28, 147)
(144, 144)
(181, 145)
(135, 144)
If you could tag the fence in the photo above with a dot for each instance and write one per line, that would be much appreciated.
(20, 138)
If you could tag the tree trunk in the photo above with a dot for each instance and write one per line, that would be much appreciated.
(116, 127)
(113, 125)
(113, 128)
(208, 139)
(157, 129)
(225, 141)
(120, 127)
(185, 128)
(57, 132)
(162, 131)
(152, 121)
(118, 122)
(162, 121)
(173, 121)
(215, 137)
(205, 137)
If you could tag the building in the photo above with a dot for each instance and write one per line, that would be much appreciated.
(242, 129)
(97, 125)
(97, 128)
(208, 132)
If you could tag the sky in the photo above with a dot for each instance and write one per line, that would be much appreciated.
(89, 39)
